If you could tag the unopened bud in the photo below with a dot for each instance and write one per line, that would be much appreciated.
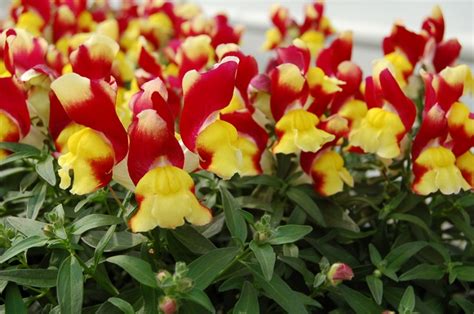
(339, 272)
(168, 305)
(162, 274)
(388, 312)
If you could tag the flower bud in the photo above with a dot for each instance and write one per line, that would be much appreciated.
(168, 305)
(339, 272)
(388, 312)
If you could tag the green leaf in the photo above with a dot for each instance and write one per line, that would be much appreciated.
(70, 286)
(307, 204)
(265, 257)
(375, 257)
(36, 201)
(299, 265)
(248, 301)
(357, 301)
(375, 287)
(122, 305)
(93, 221)
(336, 217)
(280, 292)
(464, 273)
(206, 268)
(407, 303)
(423, 271)
(20, 148)
(193, 240)
(289, 234)
(99, 250)
(233, 217)
(398, 256)
(462, 302)
(41, 278)
(135, 267)
(118, 242)
(199, 297)
(21, 246)
(414, 220)
(263, 179)
(466, 201)
(45, 169)
(13, 302)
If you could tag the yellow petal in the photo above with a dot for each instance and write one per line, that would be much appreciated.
(442, 173)
(299, 133)
(90, 157)
(378, 133)
(225, 152)
(165, 199)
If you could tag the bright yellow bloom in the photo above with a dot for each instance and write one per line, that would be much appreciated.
(89, 156)
(165, 199)
(378, 133)
(440, 173)
(329, 174)
(225, 151)
(298, 132)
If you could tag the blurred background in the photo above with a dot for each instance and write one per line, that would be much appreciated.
(370, 21)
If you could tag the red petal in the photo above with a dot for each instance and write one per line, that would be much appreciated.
(204, 95)
(393, 94)
(151, 143)
(13, 102)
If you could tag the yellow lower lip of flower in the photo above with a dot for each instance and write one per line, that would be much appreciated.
(378, 133)
(330, 174)
(299, 133)
(225, 152)
(465, 163)
(166, 199)
(441, 172)
(90, 157)
(9, 131)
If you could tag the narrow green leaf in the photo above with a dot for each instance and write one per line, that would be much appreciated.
(357, 301)
(299, 265)
(41, 278)
(414, 220)
(119, 241)
(466, 305)
(375, 287)
(45, 169)
(375, 257)
(280, 292)
(93, 221)
(36, 201)
(248, 301)
(122, 305)
(233, 217)
(423, 271)
(199, 297)
(307, 204)
(99, 250)
(407, 303)
(20, 148)
(135, 267)
(150, 300)
(70, 286)
(13, 302)
(206, 268)
(398, 256)
(21, 246)
(265, 257)
(464, 273)
(289, 234)
(193, 240)
(337, 217)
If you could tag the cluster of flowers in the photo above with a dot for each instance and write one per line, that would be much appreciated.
(152, 91)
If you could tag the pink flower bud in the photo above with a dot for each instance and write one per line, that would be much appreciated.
(168, 305)
(339, 272)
